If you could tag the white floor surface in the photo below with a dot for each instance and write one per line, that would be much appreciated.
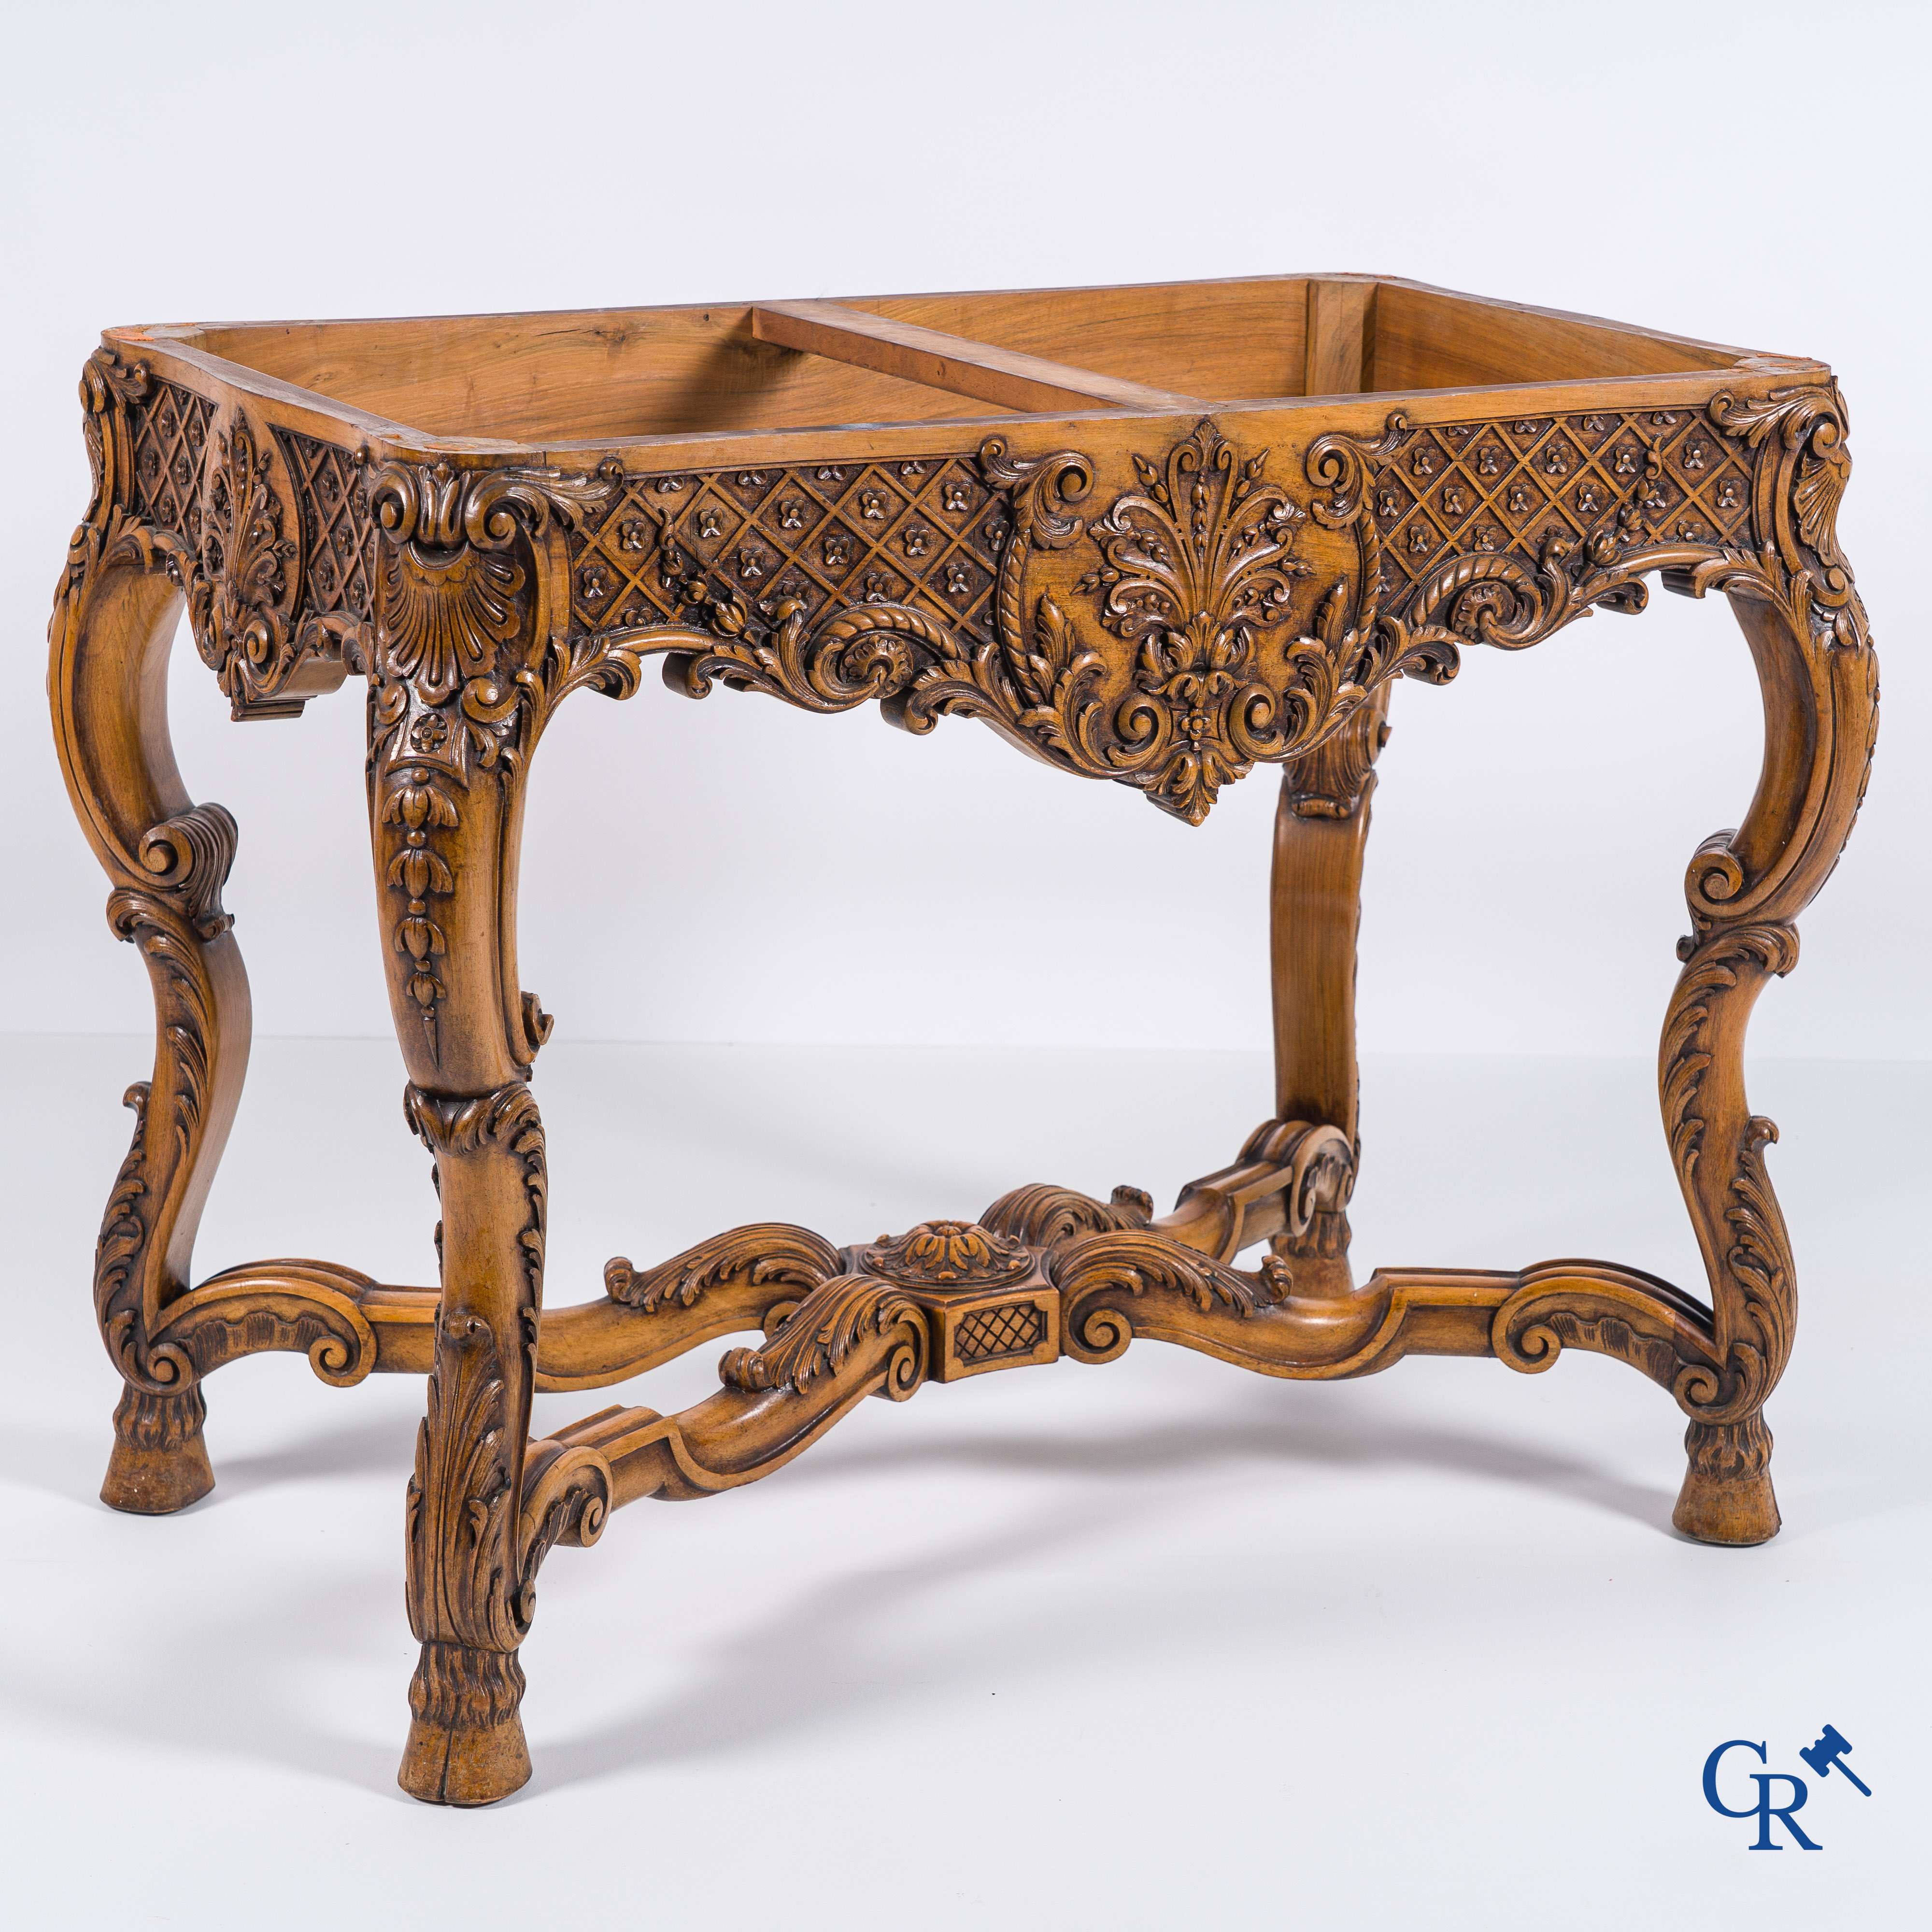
(1161, 1644)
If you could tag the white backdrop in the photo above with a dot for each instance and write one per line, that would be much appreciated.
(737, 870)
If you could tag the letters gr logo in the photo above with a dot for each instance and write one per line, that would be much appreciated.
(1826, 1756)
(1764, 1811)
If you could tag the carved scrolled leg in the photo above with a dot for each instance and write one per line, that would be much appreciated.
(470, 658)
(115, 608)
(1818, 675)
(1321, 827)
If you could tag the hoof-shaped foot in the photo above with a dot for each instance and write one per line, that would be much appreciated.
(160, 1463)
(466, 1745)
(1727, 1497)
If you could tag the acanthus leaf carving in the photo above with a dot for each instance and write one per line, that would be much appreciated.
(1134, 1264)
(1796, 499)
(461, 1556)
(1196, 565)
(567, 1499)
(130, 1285)
(470, 1574)
(242, 593)
(765, 1252)
(1045, 1217)
(828, 1328)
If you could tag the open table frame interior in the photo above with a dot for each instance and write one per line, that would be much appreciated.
(1157, 535)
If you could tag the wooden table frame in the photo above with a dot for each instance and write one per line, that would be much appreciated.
(1187, 530)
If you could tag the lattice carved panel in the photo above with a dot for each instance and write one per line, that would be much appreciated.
(926, 534)
(172, 430)
(1511, 487)
(338, 531)
(989, 1334)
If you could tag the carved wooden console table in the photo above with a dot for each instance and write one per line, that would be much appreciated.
(1064, 513)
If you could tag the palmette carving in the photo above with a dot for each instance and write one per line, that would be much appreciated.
(1195, 565)
(1491, 532)
(241, 597)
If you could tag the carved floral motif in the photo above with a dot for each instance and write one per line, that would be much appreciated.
(1196, 565)
(948, 1254)
(242, 595)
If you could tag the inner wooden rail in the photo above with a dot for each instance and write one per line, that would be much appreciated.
(1005, 376)
(1339, 354)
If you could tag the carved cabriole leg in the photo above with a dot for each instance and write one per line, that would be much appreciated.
(445, 832)
(1321, 825)
(1820, 678)
(115, 613)
(470, 657)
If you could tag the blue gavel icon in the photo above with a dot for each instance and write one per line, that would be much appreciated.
(1828, 1754)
